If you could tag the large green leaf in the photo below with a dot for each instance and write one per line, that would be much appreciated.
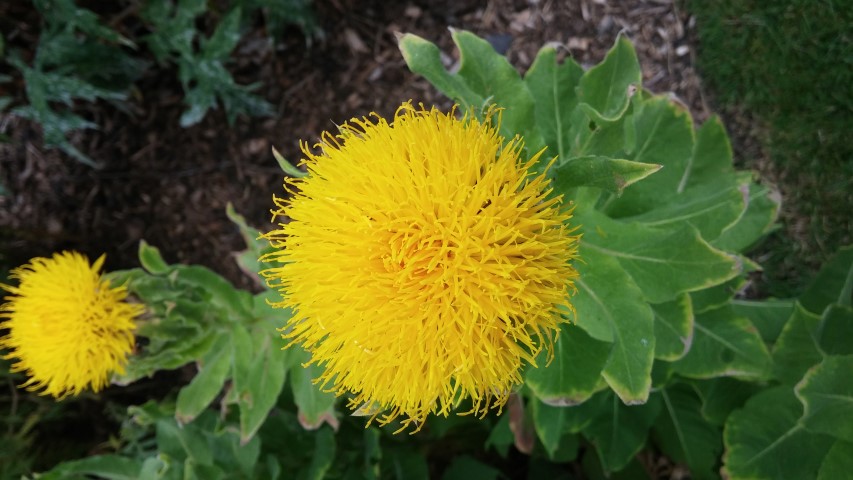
(761, 211)
(725, 345)
(833, 284)
(248, 260)
(406, 463)
(661, 133)
(716, 296)
(324, 455)
(684, 435)
(574, 374)
(183, 442)
(312, 401)
(711, 207)
(550, 425)
(797, 349)
(827, 394)
(606, 89)
(552, 87)
(260, 369)
(836, 330)
(673, 328)
(464, 467)
(712, 155)
(765, 440)
(609, 174)
(663, 262)
(207, 384)
(721, 396)
(619, 432)
(838, 462)
(484, 78)
(111, 467)
(610, 308)
(769, 315)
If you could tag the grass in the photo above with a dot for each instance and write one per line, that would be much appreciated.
(789, 63)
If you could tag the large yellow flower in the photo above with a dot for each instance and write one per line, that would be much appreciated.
(423, 262)
(67, 329)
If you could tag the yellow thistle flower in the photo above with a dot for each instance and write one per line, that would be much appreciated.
(423, 262)
(67, 328)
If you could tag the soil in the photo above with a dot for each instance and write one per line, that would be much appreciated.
(170, 185)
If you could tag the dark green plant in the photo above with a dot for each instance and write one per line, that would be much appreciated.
(652, 361)
(80, 59)
(77, 59)
(201, 68)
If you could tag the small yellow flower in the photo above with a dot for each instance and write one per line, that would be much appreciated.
(67, 329)
(423, 262)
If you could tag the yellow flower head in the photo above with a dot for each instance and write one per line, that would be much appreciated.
(423, 262)
(67, 328)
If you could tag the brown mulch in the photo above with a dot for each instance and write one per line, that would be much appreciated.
(170, 185)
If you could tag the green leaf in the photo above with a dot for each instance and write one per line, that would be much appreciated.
(464, 467)
(663, 135)
(620, 432)
(769, 316)
(405, 464)
(112, 467)
(207, 384)
(575, 418)
(721, 396)
(797, 350)
(764, 440)
(287, 167)
(610, 308)
(151, 260)
(711, 207)
(224, 38)
(609, 174)
(716, 296)
(838, 462)
(552, 87)
(311, 400)
(836, 330)
(758, 219)
(153, 468)
(501, 437)
(550, 425)
(827, 394)
(183, 442)
(248, 260)
(222, 292)
(724, 345)
(324, 455)
(712, 154)
(484, 78)
(833, 284)
(673, 328)
(593, 470)
(260, 370)
(684, 435)
(605, 89)
(574, 374)
(662, 262)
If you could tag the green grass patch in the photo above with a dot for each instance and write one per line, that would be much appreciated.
(790, 62)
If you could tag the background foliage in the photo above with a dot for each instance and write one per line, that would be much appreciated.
(80, 58)
(788, 63)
